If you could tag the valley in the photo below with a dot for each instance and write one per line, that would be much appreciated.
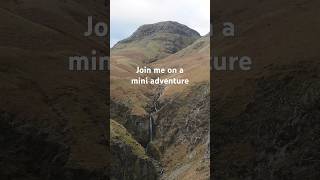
(170, 122)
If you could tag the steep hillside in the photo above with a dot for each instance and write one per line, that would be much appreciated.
(182, 121)
(172, 122)
(129, 159)
(53, 121)
(194, 59)
(135, 99)
(265, 123)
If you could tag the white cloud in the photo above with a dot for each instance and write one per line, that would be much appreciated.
(128, 15)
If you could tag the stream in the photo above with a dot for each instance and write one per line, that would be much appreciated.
(150, 128)
(152, 124)
(154, 110)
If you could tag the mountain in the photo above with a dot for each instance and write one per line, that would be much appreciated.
(156, 41)
(171, 123)
(52, 121)
(137, 50)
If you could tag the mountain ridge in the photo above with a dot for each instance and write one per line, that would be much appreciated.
(161, 27)
(156, 41)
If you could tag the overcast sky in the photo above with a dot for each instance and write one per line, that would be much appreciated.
(128, 15)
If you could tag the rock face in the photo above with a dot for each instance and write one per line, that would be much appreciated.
(136, 125)
(156, 41)
(129, 160)
(169, 27)
(182, 134)
(287, 139)
(276, 135)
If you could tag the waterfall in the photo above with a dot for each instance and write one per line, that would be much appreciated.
(150, 127)
(154, 110)
(155, 106)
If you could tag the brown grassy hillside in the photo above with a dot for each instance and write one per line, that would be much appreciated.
(44, 103)
(179, 148)
(263, 126)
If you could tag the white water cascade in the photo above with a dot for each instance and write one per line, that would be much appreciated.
(150, 127)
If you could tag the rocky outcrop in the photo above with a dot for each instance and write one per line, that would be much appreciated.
(182, 134)
(138, 126)
(169, 27)
(184, 118)
(276, 136)
(129, 159)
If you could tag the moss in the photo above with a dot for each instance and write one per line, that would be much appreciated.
(118, 132)
(153, 150)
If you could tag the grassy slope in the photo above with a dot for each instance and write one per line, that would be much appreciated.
(275, 35)
(119, 133)
(194, 59)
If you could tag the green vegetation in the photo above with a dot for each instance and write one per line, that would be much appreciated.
(118, 132)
